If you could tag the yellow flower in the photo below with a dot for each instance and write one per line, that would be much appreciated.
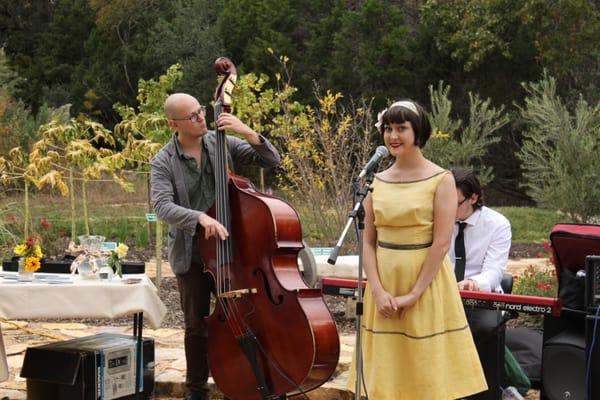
(38, 251)
(32, 264)
(20, 249)
(122, 250)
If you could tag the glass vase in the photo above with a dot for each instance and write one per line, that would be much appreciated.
(23, 274)
(105, 272)
(85, 269)
(91, 243)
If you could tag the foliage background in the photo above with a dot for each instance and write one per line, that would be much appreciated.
(92, 53)
(504, 80)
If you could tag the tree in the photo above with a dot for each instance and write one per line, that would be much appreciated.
(91, 53)
(187, 35)
(16, 166)
(502, 42)
(560, 151)
(370, 55)
(455, 145)
(142, 133)
(65, 148)
(250, 27)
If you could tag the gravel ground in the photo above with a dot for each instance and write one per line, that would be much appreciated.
(174, 318)
(337, 304)
(531, 250)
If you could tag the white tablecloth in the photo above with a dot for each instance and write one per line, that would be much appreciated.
(84, 298)
(3, 364)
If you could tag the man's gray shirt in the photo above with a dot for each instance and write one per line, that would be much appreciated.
(170, 195)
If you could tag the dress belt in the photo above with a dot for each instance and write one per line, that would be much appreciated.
(395, 246)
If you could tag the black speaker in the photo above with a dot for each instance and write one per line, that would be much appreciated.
(594, 354)
(592, 283)
(563, 366)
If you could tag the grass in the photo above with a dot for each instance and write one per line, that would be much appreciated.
(531, 225)
(120, 217)
(123, 223)
(117, 215)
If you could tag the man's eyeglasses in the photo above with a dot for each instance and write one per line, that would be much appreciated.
(460, 203)
(195, 116)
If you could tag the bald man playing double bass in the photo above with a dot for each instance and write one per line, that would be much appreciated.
(182, 190)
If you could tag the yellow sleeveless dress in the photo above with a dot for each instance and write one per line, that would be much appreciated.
(429, 353)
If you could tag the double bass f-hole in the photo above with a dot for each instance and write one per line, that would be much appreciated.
(267, 287)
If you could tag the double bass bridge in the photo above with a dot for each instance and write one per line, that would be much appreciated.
(238, 294)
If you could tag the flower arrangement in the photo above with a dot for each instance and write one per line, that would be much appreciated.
(115, 257)
(89, 260)
(32, 252)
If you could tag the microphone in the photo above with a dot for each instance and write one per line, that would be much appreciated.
(380, 152)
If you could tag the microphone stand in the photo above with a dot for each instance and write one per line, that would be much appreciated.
(357, 215)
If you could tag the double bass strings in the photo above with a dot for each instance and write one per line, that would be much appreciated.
(224, 247)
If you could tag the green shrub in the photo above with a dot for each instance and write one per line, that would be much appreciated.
(560, 151)
(457, 144)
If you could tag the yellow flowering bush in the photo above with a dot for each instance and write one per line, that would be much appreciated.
(115, 257)
(32, 252)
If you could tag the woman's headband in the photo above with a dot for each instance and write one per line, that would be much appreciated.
(409, 105)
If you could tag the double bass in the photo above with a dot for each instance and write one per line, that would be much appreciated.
(270, 335)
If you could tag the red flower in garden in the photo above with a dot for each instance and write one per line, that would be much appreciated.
(548, 287)
(30, 241)
(45, 224)
(548, 247)
(541, 285)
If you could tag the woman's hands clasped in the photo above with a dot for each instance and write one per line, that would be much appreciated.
(405, 302)
(389, 306)
(386, 303)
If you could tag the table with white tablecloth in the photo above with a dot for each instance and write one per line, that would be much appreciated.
(70, 296)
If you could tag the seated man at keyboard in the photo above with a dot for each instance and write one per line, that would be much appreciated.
(481, 240)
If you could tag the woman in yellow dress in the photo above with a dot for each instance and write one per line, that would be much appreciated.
(416, 343)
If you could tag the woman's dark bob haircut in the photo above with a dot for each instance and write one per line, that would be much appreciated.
(420, 122)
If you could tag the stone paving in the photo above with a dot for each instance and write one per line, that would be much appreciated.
(169, 356)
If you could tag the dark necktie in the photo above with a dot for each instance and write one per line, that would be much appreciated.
(459, 252)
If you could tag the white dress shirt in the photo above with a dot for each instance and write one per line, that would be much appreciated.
(487, 243)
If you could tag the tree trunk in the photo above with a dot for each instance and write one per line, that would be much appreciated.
(159, 236)
(27, 211)
(86, 220)
(72, 198)
(149, 208)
